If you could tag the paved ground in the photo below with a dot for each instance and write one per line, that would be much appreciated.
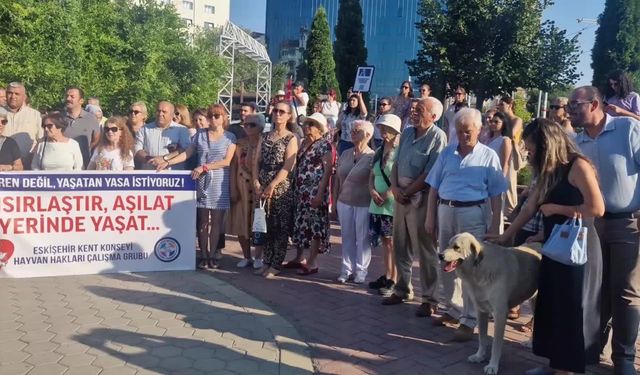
(349, 332)
(228, 321)
(152, 323)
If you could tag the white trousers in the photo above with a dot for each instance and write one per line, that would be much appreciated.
(451, 221)
(356, 247)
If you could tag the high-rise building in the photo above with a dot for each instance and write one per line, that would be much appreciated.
(389, 30)
(204, 14)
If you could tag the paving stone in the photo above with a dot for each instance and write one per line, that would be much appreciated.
(166, 351)
(43, 358)
(19, 368)
(120, 370)
(77, 360)
(41, 347)
(175, 363)
(209, 364)
(48, 369)
(107, 362)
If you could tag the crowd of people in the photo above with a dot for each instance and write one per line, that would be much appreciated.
(403, 181)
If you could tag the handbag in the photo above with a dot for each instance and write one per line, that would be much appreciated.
(567, 243)
(259, 227)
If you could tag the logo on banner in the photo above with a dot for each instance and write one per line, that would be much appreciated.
(167, 249)
(6, 251)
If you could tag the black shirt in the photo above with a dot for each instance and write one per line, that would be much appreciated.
(9, 152)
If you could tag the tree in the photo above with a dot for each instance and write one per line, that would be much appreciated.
(617, 44)
(349, 48)
(117, 50)
(318, 57)
(278, 77)
(491, 47)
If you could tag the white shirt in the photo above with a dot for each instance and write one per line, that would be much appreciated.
(58, 156)
(301, 108)
(105, 160)
(24, 127)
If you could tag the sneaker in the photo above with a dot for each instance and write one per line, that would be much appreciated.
(379, 283)
(257, 264)
(244, 263)
(358, 279)
(387, 289)
(343, 278)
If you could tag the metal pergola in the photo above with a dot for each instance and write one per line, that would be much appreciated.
(235, 40)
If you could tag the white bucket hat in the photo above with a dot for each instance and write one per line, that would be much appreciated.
(391, 121)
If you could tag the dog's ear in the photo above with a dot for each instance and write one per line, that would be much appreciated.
(476, 249)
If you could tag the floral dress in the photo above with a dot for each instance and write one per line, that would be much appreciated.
(311, 223)
(279, 208)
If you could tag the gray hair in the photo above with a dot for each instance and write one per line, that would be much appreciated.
(366, 126)
(465, 114)
(436, 107)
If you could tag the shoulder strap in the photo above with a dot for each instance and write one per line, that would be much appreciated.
(384, 175)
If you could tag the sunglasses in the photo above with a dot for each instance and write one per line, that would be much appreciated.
(384, 104)
(356, 131)
(176, 114)
(47, 126)
(423, 90)
(216, 115)
(4, 122)
(251, 125)
(134, 112)
(112, 129)
(556, 107)
(405, 87)
(280, 112)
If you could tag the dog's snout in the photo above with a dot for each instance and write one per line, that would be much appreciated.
(441, 256)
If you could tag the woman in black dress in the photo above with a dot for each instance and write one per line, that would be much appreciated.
(566, 329)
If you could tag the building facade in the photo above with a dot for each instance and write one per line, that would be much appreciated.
(205, 14)
(389, 30)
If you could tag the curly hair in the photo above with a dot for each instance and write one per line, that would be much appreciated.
(126, 142)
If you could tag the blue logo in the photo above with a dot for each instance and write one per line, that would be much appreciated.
(167, 249)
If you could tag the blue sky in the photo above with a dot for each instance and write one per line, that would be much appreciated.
(251, 14)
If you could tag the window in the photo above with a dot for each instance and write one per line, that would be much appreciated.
(208, 26)
(209, 9)
(187, 5)
(187, 21)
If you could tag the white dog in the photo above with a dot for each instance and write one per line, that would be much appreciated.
(497, 278)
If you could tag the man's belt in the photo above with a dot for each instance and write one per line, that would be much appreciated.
(449, 203)
(618, 215)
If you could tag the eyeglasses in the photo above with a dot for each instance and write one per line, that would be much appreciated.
(47, 126)
(384, 104)
(574, 105)
(280, 112)
(111, 129)
(4, 122)
(134, 112)
(556, 107)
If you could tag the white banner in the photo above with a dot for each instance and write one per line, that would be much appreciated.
(54, 224)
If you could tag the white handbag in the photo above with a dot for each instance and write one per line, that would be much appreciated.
(259, 227)
(567, 243)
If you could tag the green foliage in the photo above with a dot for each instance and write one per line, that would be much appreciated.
(117, 50)
(319, 57)
(349, 48)
(278, 77)
(525, 175)
(520, 108)
(491, 47)
(617, 44)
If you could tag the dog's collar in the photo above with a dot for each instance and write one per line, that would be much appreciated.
(478, 259)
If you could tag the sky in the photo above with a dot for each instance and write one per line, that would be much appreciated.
(565, 13)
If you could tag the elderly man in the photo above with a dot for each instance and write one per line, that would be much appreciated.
(82, 125)
(417, 153)
(466, 175)
(161, 140)
(23, 122)
(613, 145)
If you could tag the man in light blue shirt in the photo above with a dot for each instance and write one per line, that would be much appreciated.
(466, 175)
(162, 139)
(613, 145)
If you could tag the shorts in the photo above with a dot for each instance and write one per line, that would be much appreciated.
(380, 226)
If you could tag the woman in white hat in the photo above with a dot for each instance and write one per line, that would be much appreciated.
(314, 168)
(382, 201)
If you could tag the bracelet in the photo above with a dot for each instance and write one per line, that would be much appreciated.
(164, 158)
(205, 168)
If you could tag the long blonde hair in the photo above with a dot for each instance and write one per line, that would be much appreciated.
(554, 150)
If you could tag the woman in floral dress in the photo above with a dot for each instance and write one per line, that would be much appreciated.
(315, 165)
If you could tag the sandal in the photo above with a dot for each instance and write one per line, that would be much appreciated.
(306, 271)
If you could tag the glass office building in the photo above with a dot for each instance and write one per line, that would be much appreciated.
(389, 31)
